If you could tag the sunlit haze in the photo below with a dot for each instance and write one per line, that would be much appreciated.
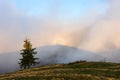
(60, 31)
(91, 25)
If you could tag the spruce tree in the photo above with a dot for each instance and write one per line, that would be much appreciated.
(28, 54)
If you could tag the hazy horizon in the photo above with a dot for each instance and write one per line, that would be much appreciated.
(92, 25)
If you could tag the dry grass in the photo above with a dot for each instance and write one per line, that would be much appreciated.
(74, 71)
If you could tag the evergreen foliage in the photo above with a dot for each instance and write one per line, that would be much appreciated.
(28, 54)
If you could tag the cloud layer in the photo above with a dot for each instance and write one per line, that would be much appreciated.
(103, 34)
(94, 32)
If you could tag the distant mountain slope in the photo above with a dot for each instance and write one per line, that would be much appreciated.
(48, 55)
(112, 55)
(65, 54)
(9, 62)
(72, 71)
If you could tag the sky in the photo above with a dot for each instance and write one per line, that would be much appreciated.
(62, 7)
(47, 22)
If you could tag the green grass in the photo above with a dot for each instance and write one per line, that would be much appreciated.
(71, 71)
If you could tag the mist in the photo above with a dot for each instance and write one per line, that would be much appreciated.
(94, 31)
(47, 29)
(94, 36)
(102, 34)
(55, 54)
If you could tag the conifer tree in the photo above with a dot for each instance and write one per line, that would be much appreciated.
(28, 54)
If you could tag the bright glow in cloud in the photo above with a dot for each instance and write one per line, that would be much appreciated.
(63, 20)
(60, 40)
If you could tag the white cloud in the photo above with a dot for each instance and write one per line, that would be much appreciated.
(14, 26)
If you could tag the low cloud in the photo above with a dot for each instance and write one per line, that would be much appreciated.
(94, 32)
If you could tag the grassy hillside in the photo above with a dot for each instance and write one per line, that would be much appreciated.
(72, 71)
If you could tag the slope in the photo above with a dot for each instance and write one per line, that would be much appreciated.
(72, 71)
(48, 55)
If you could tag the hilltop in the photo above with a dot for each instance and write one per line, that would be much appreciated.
(73, 71)
(50, 54)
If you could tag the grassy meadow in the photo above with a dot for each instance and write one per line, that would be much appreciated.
(72, 71)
